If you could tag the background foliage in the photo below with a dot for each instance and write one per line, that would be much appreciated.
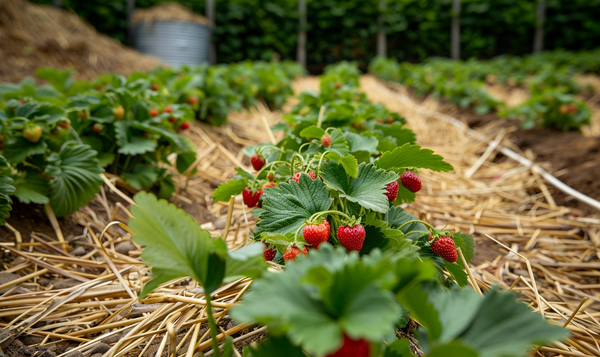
(347, 29)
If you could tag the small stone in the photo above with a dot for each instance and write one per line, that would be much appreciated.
(78, 251)
(215, 183)
(100, 348)
(220, 223)
(125, 247)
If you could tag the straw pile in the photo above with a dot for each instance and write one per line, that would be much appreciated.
(34, 36)
(92, 302)
(168, 12)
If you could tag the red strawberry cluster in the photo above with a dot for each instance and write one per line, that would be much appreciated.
(292, 252)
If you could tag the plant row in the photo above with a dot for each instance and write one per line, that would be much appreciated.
(357, 266)
(57, 139)
(549, 77)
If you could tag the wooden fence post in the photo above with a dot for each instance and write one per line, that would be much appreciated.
(381, 39)
(456, 29)
(210, 14)
(301, 49)
(538, 42)
(130, 10)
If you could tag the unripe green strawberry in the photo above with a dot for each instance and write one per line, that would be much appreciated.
(292, 252)
(315, 234)
(271, 176)
(32, 132)
(445, 248)
(352, 238)
(119, 112)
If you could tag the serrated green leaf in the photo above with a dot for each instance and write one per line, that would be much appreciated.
(31, 186)
(170, 235)
(466, 243)
(457, 272)
(6, 189)
(286, 207)
(350, 165)
(275, 346)
(404, 196)
(367, 189)
(227, 189)
(184, 161)
(360, 142)
(397, 217)
(401, 134)
(453, 349)
(76, 178)
(412, 156)
(130, 144)
(398, 348)
(313, 132)
(18, 149)
(142, 177)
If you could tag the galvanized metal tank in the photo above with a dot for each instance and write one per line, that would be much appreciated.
(175, 43)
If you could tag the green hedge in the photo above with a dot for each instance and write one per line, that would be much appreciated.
(347, 29)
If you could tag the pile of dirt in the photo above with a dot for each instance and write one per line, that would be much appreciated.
(168, 12)
(34, 36)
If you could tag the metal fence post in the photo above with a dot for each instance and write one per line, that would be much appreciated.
(538, 42)
(381, 38)
(210, 14)
(456, 29)
(301, 49)
(130, 10)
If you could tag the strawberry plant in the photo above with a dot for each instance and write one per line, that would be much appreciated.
(6, 190)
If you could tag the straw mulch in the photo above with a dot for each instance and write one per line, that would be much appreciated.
(93, 299)
(34, 36)
(168, 12)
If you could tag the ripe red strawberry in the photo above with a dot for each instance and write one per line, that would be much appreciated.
(257, 161)
(315, 234)
(445, 248)
(391, 191)
(97, 127)
(251, 198)
(326, 140)
(153, 112)
(32, 133)
(271, 176)
(352, 238)
(352, 348)
(119, 112)
(292, 252)
(389, 120)
(63, 124)
(572, 108)
(269, 254)
(172, 120)
(269, 184)
(185, 125)
(192, 100)
(154, 87)
(168, 109)
(296, 176)
(411, 181)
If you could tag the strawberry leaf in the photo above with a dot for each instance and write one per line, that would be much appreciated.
(396, 217)
(412, 156)
(466, 243)
(404, 196)
(31, 186)
(367, 189)
(456, 269)
(227, 189)
(142, 177)
(313, 132)
(286, 207)
(131, 144)
(170, 235)
(359, 142)
(76, 178)
(313, 303)
(339, 145)
(6, 189)
(18, 149)
(400, 134)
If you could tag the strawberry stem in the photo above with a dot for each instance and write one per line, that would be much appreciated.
(213, 326)
(314, 216)
(419, 221)
(321, 161)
